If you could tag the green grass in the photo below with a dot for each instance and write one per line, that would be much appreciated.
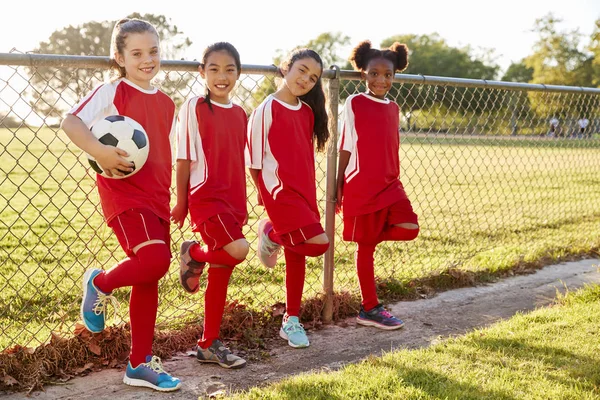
(484, 205)
(551, 353)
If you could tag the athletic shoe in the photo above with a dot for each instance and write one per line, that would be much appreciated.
(267, 250)
(151, 375)
(218, 353)
(93, 304)
(379, 318)
(293, 331)
(189, 269)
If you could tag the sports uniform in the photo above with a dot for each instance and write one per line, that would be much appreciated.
(213, 138)
(280, 146)
(374, 201)
(137, 207)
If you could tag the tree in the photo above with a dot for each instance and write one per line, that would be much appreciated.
(55, 90)
(594, 48)
(518, 72)
(558, 60)
(431, 55)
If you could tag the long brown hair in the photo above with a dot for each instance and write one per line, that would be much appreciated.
(315, 98)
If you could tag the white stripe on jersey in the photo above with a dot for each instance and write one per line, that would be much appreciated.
(348, 140)
(259, 155)
(189, 144)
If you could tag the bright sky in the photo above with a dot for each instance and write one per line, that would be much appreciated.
(259, 28)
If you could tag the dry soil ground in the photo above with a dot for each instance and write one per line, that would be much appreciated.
(447, 314)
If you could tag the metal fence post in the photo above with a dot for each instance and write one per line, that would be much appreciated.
(330, 194)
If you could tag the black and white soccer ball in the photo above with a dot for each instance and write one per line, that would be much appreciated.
(125, 133)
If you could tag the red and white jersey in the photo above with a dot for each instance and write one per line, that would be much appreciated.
(155, 111)
(214, 141)
(370, 132)
(280, 144)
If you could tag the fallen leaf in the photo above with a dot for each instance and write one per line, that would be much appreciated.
(9, 380)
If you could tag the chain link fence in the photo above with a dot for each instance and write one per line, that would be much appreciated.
(493, 187)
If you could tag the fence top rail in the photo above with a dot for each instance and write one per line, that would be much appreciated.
(67, 61)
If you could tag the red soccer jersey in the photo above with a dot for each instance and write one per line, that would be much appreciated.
(214, 141)
(280, 144)
(155, 111)
(370, 133)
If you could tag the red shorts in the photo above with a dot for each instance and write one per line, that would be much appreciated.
(366, 228)
(138, 225)
(298, 236)
(219, 230)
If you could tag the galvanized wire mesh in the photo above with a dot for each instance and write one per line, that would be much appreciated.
(477, 161)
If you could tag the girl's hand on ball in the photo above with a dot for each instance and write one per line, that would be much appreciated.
(112, 162)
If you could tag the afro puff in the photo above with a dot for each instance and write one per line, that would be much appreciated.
(363, 53)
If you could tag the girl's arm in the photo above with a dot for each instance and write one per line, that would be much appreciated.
(344, 158)
(109, 158)
(254, 174)
(182, 181)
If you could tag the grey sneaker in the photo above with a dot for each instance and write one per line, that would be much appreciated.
(189, 269)
(218, 353)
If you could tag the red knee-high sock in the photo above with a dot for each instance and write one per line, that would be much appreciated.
(365, 269)
(397, 233)
(143, 304)
(295, 270)
(214, 303)
(310, 249)
(147, 266)
(218, 257)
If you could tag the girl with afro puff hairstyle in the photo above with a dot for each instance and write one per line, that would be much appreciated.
(369, 192)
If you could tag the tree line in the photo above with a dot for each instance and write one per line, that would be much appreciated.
(557, 58)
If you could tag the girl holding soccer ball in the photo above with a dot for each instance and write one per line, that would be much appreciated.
(137, 207)
(369, 191)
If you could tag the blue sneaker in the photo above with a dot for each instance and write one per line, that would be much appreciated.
(293, 331)
(93, 304)
(379, 318)
(151, 375)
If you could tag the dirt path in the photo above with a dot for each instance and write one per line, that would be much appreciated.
(449, 313)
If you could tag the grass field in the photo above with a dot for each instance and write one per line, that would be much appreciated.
(485, 205)
(551, 353)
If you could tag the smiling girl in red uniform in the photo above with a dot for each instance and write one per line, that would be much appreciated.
(211, 184)
(281, 143)
(137, 207)
(369, 192)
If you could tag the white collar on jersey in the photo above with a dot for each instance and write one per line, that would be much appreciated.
(214, 103)
(384, 101)
(286, 105)
(149, 91)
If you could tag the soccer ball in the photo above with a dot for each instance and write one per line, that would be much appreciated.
(125, 133)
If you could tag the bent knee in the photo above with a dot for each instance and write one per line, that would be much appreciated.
(319, 239)
(238, 249)
(155, 258)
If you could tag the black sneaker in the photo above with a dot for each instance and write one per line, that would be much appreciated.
(218, 353)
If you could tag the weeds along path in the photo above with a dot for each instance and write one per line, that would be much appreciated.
(447, 314)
